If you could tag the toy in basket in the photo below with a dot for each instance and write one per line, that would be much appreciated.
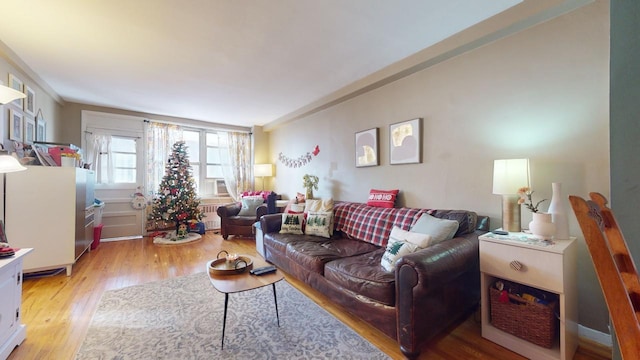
(525, 312)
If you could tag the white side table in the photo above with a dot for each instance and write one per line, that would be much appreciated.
(12, 331)
(550, 267)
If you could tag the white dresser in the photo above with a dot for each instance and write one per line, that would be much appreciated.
(547, 267)
(50, 209)
(12, 331)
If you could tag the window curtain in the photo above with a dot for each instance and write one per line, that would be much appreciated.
(235, 158)
(99, 155)
(160, 140)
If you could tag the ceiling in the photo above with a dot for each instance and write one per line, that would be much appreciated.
(237, 62)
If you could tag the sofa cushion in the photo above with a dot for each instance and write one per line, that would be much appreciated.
(402, 242)
(439, 229)
(467, 220)
(319, 223)
(292, 223)
(250, 204)
(382, 198)
(363, 275)
(312, 255)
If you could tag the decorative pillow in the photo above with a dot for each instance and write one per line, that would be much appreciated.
(250, 204)
(319, 223)
(300, 197)
(439, 229)
(292, 224)
(382, 198)
(402, 242)
(318, 205)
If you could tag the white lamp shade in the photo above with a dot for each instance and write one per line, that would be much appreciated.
(262, 170)
(8, 94)
(509, 175)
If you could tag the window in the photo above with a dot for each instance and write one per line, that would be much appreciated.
(204, 158)
(123, 160)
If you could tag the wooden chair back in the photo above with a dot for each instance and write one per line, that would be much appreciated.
(614, 267)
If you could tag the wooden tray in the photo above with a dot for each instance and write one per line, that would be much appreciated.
(223, 267)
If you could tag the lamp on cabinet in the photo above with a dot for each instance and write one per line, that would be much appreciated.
(8, 94)
(263, 170)
(508, 176)
(8, 164)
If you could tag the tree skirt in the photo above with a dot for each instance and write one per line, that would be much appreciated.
(171, 238)
(181, 318)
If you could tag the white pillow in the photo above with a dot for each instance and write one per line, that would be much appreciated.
(250, 204)
(402, 242)
(439, 229)
(318, 205)
(319, 223)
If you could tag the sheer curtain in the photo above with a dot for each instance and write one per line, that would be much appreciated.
(99, 155)
(235, 158)
(160, 139)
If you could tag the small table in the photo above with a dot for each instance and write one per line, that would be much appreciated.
(244, 282)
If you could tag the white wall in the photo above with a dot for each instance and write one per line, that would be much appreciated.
(541, 93)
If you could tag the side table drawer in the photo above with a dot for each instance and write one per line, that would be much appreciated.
(540, 269)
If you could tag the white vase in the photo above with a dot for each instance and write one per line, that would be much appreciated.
(558, 212)
(541, 226)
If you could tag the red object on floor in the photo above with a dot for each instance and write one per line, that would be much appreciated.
(97, 232)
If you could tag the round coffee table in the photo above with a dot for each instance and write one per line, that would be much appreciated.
(234, 283)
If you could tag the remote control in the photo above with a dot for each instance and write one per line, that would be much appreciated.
(264, 272)
(500, 232)
(259, 270)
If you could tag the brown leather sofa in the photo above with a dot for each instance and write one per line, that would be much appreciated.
(429, 290)
(232, 224)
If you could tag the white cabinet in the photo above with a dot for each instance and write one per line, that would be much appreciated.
(12, 331)
(50, 209)
(546, 267)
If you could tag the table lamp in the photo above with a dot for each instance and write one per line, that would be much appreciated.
(262, 170)
(509, 175)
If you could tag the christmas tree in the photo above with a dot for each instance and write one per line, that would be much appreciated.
(176, 201)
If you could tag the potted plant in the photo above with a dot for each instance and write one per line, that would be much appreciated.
(309, 182)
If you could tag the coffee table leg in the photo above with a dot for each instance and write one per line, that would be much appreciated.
(275, 299)
(224, 319)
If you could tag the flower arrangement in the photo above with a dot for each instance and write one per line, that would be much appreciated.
(310, 182)
(525, 198)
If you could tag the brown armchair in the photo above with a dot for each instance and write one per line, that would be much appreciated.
(233, 224)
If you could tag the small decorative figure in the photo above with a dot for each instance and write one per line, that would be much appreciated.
(182, 231)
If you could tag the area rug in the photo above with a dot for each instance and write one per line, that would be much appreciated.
(170, 238)
(181, 318)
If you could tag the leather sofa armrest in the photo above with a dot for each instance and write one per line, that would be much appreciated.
(436, 265)
(261, 211)
(271, 223)
(422, 275)
(229, 210)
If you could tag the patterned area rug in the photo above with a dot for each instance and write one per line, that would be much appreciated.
(181, 318)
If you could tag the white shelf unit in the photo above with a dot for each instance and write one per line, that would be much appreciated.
(50, 209)
(551, 268)
(12, 331)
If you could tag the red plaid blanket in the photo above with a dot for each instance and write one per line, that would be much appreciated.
(373, 224)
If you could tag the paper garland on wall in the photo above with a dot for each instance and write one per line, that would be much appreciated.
(302, 160)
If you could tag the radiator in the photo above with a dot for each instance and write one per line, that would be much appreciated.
(211, 220)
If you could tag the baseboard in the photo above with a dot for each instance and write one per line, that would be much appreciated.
(595, 336)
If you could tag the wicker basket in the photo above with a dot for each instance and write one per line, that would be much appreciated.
(530, 321)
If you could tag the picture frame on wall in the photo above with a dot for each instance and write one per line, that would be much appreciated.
(41, 128)
(29, 130)
(29, 101)
(15, 125)
(405, 142)
(16, 84)
(367, 150)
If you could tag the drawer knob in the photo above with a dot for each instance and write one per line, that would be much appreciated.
(516, 265)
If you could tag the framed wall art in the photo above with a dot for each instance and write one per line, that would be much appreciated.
(405, 142)
(41, 128)
(15, 125)
(367, 153)
(16, 84)
(29, 130)
(29, 101)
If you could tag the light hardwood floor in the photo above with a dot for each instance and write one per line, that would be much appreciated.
(58, 309)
